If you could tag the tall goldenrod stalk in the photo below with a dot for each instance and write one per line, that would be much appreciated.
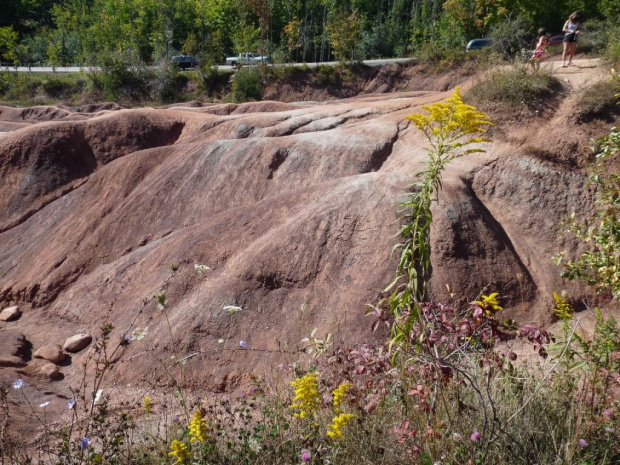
(450, 127)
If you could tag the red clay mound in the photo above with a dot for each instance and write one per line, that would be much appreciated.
(294, 207)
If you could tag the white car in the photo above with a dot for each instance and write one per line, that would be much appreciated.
(246, 59)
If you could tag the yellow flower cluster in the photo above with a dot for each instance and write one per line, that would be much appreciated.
(490, 303)
(339, 422)
(450, 120)
(180, 451)
(198, 431)
(562, 309)
(340, 392)
(307, 396)
(147, 405)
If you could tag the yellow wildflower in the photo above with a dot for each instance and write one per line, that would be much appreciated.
(307, 396)
(562, 309)
(147, 405)
(490, 303)
(180, 451)
(339, 422)
(451, 120)
(198, 428)
(340, 392)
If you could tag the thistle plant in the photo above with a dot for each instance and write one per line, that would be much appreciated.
(451, 128)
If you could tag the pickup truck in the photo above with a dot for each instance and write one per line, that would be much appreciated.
(246, 59)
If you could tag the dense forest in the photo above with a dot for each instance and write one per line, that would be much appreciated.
(62, 32)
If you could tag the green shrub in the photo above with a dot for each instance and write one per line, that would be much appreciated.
(167, 82)
(515, 87)
(597, 100)
(327, 75)
(511, 36)
(119, 79)
(247, 85)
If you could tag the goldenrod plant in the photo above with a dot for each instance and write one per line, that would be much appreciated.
(453, 129)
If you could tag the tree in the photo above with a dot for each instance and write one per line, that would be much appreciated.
(8, 44)
(344, 33)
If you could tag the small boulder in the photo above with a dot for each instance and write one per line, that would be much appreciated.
(13, 348)
(77, 342)
(10, 313)
(50, 370)
(51, 352)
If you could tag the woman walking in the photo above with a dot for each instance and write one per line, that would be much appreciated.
(571, 29)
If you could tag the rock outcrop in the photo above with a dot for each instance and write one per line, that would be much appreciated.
(292, 206)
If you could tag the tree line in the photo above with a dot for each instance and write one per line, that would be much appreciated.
(63, 32)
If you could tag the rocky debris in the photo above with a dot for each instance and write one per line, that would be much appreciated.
(10, 313)
(50, 370)
(51, 352)
(13, 349)
(77, 342)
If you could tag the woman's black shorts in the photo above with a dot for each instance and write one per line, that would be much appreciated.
(570, 37)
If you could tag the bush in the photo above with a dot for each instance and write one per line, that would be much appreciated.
(595, 36)
(119, 78)
(516, 87)
(247, 85)
(511, 36)
(598, 100)
(166, 83)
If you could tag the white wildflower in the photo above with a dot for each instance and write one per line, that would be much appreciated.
(98, 396)
(232, 309)
(201, 269)
(139, 334)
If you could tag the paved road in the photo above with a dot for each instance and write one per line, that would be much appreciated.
(77, 69)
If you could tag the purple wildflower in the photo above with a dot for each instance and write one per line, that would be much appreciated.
(475, 436)
(609, 430)
(583, 443)
(84, 443)
(254, 390)
(243, 344)
(18, 384)
(243, 395)
(608, 413)
(306, 456)
(176, 419)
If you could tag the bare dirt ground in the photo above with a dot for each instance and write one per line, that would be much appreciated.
(294, 208)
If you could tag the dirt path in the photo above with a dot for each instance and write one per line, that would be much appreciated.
(581, 75)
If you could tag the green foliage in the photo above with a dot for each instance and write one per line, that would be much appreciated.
(598, 100)
(600, 264)
(344, 33)
(510, 36)
(247, 85)
(515, 87)
(8, 45)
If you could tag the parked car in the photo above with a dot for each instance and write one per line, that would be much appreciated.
(556, 39)
(185, 61)
(246, 59)
(477, 44)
